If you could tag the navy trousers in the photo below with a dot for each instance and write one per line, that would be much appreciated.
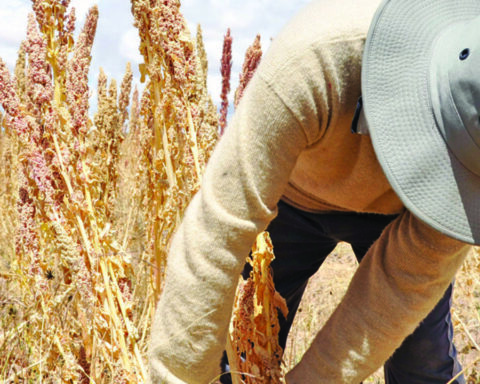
(302, 241)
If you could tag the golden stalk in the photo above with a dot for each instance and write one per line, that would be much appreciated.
(235, 371)
(194, 146)
(78, 289)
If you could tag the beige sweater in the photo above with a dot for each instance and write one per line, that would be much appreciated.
(290, 137)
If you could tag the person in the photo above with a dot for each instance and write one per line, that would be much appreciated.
(405, 195)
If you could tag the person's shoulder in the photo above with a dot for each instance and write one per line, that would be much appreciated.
(322, 30)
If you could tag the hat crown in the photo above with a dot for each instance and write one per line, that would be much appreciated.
(455, 90)
(465, 79)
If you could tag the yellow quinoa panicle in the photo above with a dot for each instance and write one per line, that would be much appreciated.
(175, 110)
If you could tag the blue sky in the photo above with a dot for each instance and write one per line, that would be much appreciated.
(116, 42)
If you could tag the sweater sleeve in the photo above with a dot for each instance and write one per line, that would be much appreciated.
(400, 280)
(243, 182)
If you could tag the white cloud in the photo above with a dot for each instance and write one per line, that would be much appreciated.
(237, 19)
(128, 46)
(12, 33)
(214, 51)
(215, 87)
(9, 56)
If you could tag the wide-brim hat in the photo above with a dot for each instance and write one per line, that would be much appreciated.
(421, 94)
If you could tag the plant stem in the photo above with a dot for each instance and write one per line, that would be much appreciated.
(232, 361)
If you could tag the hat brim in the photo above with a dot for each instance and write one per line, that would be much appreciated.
(421, 169)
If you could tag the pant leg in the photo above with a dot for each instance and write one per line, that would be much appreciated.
(300, 245)
(428, 356)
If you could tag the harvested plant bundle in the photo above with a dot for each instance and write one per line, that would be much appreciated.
(254, 327)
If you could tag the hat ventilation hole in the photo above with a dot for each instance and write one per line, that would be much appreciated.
(464, 54)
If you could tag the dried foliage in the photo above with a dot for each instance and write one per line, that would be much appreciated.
(225, 69)
(252, 60)
(79, 296)
(254, 327)
(175, 109)
(202, 59)
(72, 275)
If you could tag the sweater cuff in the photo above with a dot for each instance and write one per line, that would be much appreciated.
(159, 374)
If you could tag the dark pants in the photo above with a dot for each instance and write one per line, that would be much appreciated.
(303, 240)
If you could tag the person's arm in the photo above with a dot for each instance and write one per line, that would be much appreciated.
(399, 281)
(242, 184)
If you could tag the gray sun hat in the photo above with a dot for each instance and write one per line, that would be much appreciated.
(421, 94)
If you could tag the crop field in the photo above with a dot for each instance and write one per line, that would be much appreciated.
(89, 200)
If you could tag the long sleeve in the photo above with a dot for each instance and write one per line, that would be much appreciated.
(242, 184)
(399, 281)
